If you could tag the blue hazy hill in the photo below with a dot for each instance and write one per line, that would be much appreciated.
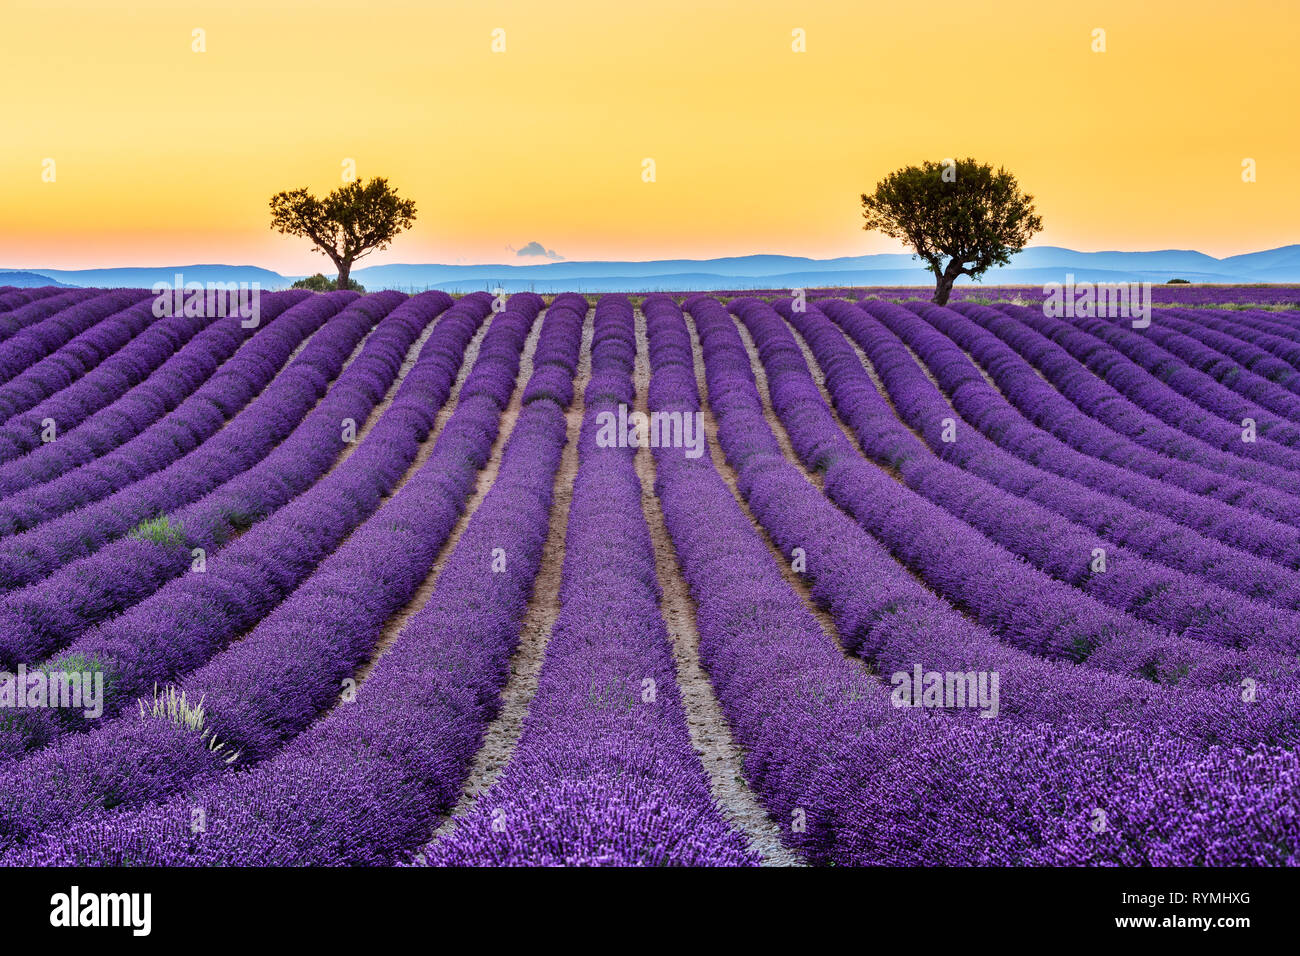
(1033, 266)
(26, 280)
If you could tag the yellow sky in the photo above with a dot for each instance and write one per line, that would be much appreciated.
(163, 155)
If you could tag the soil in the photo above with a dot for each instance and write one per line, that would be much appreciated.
(728, 474)
(377, 412)
(709, 731)
(483, 482)
(544, 607)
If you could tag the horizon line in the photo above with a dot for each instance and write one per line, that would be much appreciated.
(554, 262)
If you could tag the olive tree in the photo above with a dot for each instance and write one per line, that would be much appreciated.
(960, 217)
(351, 222)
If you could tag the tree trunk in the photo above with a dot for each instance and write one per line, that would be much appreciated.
(942, 288)
(345, 269)
(943, 285)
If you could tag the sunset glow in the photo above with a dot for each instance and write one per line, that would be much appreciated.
(168, 155)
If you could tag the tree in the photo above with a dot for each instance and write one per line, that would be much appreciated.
(318, 283)
(351, 222)
(961, 218)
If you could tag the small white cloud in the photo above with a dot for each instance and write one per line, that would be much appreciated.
(535, 249)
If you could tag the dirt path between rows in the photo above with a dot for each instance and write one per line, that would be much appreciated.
(284, 367)
(543, 608)
(426, 447)
(728, 474)
(483, 482)
(237, 532)
(709, 731)
(819, 378)
(408, 362)
(779, 428)
(880, 385)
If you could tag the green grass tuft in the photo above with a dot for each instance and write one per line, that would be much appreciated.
(159, 530)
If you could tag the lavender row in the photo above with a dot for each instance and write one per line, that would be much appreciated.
(92, 374)
(44, 616)
(344, 791)
(1266, 356)
(1207, 299)
(1177, 392)
(1269, 322)
(44, 609)
(12, 298)
(1065, 549)
(857, 781)
(884, 615)
(1012, 598)
(1047, 408)
(1231, 364)
(603, 772)
(271, 684)
(52, 354)
(186, 621)
(1020, 603)
(71, 473)
(33, 310)
(1136, 405)
(984, 407)
(46, 328)
(152, 373)
(277, 679)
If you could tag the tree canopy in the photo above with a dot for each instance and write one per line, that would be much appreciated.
(960, 217)
(351, 222)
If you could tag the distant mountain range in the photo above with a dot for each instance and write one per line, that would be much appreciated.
(26, 280)
(1034, 266)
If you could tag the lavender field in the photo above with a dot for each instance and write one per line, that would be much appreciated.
(844, 578)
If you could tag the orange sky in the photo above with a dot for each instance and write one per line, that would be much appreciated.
(167, 156)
